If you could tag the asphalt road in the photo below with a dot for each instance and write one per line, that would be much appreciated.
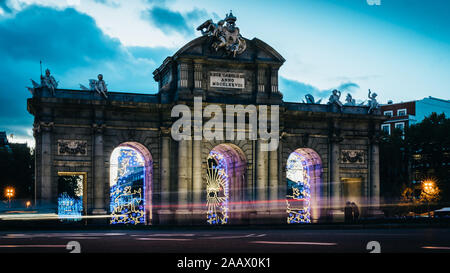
(229, 241)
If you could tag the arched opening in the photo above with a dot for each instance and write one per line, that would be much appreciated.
(225, 184)
(130, 184)
(303, 171)
(71, 195)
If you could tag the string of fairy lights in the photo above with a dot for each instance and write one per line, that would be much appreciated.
(298, 196)
(127, 202)
(70, 208)
(217, 190)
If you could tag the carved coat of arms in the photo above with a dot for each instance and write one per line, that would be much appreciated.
(353, 156)
(226, 36)
(72, 147)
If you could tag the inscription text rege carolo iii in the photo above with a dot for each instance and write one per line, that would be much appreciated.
(214, 129)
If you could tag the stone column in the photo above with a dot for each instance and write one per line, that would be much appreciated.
(99, 170)
(182, 209)
(197, 177)
(165, 211)
(261, 178)
(46, 164)
(282, 184)
(198, 80)
(336, 202)
(261, 81)
(183, 75)
(374, 176)
(189, 164)
(274, 80)
(183, 92)
(273, 179)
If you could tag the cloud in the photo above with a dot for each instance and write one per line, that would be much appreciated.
(73, 47)
(173, 21)
(197, 14)
(4, 6)
(109, 3)
(168, 20)
(295, 91)
(48, 33)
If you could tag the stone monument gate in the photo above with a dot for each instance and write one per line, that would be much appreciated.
(327, 155)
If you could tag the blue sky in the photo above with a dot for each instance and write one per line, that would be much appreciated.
(399, 49)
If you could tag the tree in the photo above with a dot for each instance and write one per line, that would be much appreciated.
(421, 152)
(428, 145)
(17, 170)
(393, 165)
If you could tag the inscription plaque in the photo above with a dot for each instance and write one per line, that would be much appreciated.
(227, 80)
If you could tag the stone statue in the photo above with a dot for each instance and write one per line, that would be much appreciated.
(35, 86)
(49, 81)
(227, 37)
(310, 99)
(350, 101)
(334, 98)
(100, 86)
(97, 85)
(372, 103)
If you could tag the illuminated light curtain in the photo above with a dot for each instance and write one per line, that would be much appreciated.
(69, 208)
(217, 189)
(298, 196)
(70, 198)
(127, 187)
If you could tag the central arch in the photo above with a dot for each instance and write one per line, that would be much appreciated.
(131, 168)
(225, 184)
(303, 173)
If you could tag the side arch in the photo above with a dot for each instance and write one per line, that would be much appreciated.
(303, 174)
(131, 180)
(225, 184)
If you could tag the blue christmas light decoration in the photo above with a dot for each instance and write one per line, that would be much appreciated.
(127, 198)
(217, 190)
(298, 196)
(69, 208)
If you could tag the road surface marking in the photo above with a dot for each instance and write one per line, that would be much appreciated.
(237, 236)
(59, 235)
(163, 239)
(294, 243)
(31, 246)
(80, 238)
(166, 235)
(437, 247)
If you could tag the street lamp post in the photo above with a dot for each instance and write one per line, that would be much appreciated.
(9, 194)
(428, 189)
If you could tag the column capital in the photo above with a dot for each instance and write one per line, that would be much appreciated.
(336, 139)
(36, 129)
(42, 126)
(375, 138)
(98, 128)
(164, 131)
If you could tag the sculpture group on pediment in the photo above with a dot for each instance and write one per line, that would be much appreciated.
(226, 36)
(310, 99)
(335, 96)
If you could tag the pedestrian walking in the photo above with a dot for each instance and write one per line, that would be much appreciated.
(348, 215)
(355, 212)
